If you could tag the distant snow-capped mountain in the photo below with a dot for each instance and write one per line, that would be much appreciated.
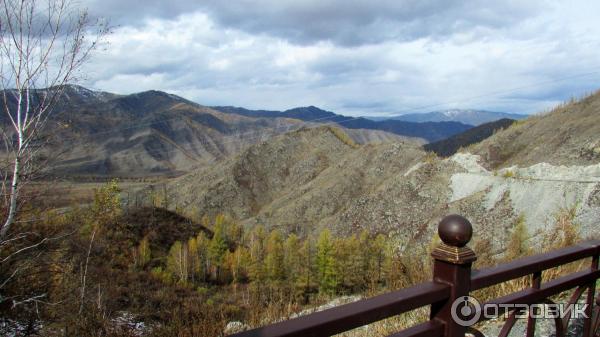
(472, 117)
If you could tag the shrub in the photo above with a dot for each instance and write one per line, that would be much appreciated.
(342, 136)
(508, 174)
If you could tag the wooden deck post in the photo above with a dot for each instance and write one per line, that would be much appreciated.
(452, 265)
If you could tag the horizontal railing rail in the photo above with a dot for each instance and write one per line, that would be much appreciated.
(352, 315)
(528, 265)
(453, 281)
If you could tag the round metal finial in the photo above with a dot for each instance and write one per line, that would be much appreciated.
(455, 230)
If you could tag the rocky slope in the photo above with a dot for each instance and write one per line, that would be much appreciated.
(310, 179)
(567, 135)
(301, 180)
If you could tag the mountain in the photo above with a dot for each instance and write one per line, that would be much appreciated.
(310, 113)
(303, 180)
(310, 179)
(430, 131)
(567, 135)
(451, 145)
(145, 134)
(471, 117)
(152, 133)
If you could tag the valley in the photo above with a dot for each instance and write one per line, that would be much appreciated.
(299, 168)
(261, 175)
(230, 229)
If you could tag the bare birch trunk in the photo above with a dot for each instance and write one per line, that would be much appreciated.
(42, 45)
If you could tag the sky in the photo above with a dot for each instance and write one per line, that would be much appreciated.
(355, 57)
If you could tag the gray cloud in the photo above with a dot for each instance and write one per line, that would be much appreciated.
(357, 22)
(135, 12)
(343, 22)
(352, 56)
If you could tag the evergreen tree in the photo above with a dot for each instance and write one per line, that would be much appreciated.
(378, 250)
(292, 263)
(217, 247)
(274, 257)
(257, 270)
(307, 267)
(326, 264)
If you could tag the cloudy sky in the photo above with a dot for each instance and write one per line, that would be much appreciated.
(357, 57)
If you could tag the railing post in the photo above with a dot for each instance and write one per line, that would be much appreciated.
(452, 265)
(587, 327)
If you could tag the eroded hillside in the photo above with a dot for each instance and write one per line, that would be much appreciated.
(567, 135)
(315, 178)
(299, 180)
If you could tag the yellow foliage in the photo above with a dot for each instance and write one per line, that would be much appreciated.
(342, 136)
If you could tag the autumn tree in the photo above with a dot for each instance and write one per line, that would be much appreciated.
(517, 246)
(143, 253)
(291, 259)
(217, 248)
(43, 46)
(194, 261)
(256, 268)
(178, 262)
(237, 263)
(326, 264)
(275, 257)
(202, 261)
(378, 258)
(306, 272)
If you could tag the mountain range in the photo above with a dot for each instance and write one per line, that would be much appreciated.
(145, 134)
(153, 133)
(471, 117)
(430, 131)
(310, 179)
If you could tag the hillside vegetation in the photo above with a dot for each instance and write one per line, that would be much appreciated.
(567, 135)
(451, 145)
(149, 271)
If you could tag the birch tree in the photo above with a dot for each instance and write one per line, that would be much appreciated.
(43, 45)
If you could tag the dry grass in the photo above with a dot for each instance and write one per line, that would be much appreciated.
(391, 325)
(342, 136)
(558, 137)
(564, 233)
(57, 194)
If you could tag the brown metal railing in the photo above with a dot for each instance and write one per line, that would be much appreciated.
(452, 281)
